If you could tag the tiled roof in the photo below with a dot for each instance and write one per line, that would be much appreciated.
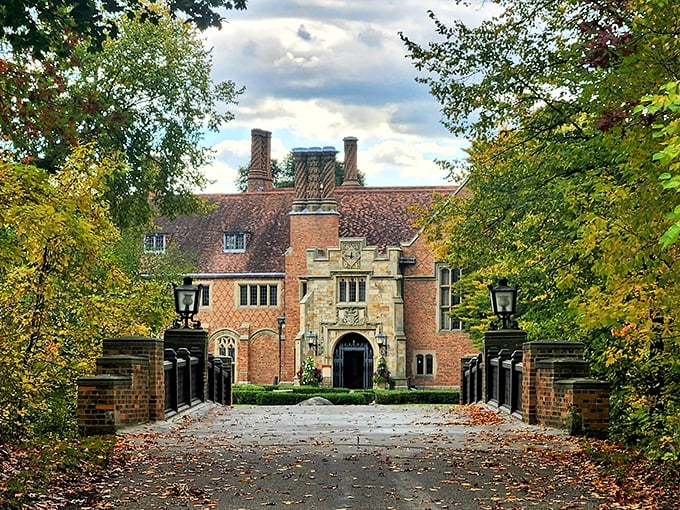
(382, 215)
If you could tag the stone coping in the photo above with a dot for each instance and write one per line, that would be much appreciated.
(105, 380)
(122, 360)
(583, 383)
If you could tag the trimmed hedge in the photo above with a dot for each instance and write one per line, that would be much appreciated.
(417, 397)
(315, 390)
(245, 397)
(275, 398)
(251, 394)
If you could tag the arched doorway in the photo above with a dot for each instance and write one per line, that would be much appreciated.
(353, 363)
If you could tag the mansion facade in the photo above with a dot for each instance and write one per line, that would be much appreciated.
(338, 273)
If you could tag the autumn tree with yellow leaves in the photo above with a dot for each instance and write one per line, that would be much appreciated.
(573, 115)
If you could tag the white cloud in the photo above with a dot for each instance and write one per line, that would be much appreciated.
(316, 71)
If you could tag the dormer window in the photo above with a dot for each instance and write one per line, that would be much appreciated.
(234, 242)
(155, 243)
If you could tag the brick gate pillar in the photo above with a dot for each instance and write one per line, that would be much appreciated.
(153, 349)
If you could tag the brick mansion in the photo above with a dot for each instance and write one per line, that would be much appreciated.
(335, 272)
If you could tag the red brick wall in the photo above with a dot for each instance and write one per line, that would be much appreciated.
(152, 348)
(131, 401)
(533, 352)
(97, 397)
(420, 324)
(591, 400)
(248, 321)
(263, 359)
(556, 391)
(306, 230)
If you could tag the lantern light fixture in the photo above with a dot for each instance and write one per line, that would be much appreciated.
(503, 303)
(313, 342)
(381, 339)
(187, 300)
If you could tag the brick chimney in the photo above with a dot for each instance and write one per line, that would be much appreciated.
(314, 221)
(351, 175)
(260, 173)
(314, 179)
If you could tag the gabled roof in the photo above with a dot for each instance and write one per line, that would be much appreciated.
(384, 216)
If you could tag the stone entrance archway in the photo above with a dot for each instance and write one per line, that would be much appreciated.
(353, 363)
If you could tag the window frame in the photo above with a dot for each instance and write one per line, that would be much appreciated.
(424, 364)
(205, 296)
(234, 242)
(446, 298)
(156, 236)
(257, 295)
(351, 289)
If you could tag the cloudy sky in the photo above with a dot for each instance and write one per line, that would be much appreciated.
(316, 71)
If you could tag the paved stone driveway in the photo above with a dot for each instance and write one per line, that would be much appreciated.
(348, 457)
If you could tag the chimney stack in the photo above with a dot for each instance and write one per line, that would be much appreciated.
(351, 175)
(314, 179)
(260, 173)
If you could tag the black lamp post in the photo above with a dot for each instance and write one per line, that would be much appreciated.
(313, 342)
(187, 299)
(281, 321)
(381, 338)
(503, 303)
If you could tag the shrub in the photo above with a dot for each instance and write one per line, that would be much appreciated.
(245, 397)
(382, 376)
(316, 390)
(417, 397)
(308, 374)
(276, 398)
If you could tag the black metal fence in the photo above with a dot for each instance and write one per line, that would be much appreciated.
(503, 387)
(471, 390)
(219, 379)
(185, 377)
(504, 380)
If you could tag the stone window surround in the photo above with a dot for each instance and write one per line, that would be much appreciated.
(351, 288)
(441, 307)
(273, 299)
(425, 355)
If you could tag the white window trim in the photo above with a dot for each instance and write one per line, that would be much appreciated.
(236, 235)
(163, 236)
(206, 285)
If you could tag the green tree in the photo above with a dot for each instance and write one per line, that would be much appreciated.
(67, 290)
(565, 198)
(146, 95)
(667, 104)
(40, 28)
(283, 174)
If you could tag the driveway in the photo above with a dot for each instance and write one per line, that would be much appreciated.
(348, 457)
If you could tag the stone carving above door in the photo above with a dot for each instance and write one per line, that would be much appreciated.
(351, 316)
